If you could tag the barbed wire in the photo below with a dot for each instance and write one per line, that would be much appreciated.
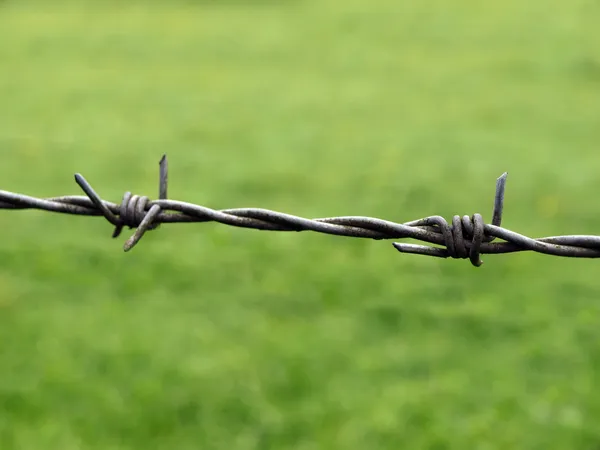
(466, 237)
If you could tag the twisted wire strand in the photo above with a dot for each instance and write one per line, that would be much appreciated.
(466, 237)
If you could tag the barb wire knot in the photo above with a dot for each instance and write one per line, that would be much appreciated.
(132, 212)
(464, 238)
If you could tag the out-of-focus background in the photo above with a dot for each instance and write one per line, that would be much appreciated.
(212, 337)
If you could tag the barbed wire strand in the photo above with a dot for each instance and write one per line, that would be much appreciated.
(467, 237)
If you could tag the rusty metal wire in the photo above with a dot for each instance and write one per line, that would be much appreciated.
(466, 237)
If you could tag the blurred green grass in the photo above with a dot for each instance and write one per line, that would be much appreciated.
(206, 336)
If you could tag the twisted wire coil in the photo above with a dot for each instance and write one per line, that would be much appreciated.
(466, 237)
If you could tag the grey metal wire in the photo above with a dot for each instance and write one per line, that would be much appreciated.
(466, 237)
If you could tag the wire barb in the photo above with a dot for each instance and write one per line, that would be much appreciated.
(467, 237)
(471, 228)
(132, 212)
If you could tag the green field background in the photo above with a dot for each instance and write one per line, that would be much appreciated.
(212, 337)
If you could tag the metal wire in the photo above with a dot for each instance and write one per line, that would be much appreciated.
(465, 238)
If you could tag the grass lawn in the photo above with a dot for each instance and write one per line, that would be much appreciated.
(213, 337)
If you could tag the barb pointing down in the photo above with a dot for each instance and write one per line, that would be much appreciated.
(466, 238)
